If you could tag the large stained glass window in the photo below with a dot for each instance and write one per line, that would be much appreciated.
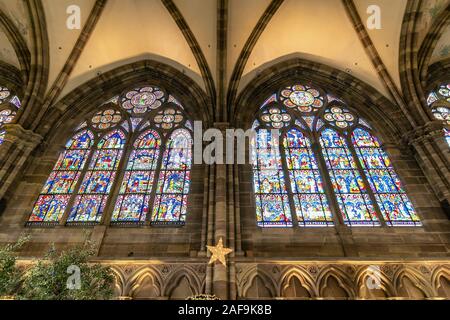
(9, 105)
(133, 202)
(331, 167)
(174, 180)
(55, 195)
(384, 182)
(96, 186)
(439, 102)
(272, 199)
(130, 164)
(353, 199)
(311, 204)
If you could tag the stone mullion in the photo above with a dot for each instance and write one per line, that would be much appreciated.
(287, 180)
(158, 170)
(367, 184)
(329, 192)
(77, 188)
(114, 193)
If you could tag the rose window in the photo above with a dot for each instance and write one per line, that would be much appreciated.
(276, 117)
(140, 101)
(106, 119)
(339, 117)
(444, 91)
(304, 98)
(168, 118)
(7, 116)
(442, 113)
(4, 94)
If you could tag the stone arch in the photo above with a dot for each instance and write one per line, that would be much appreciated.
(120, 282)
(371, 104)
(255, 279)
(332, 282)
(185, 278)
(385, 290)
(87, 97)
(410, 284)
(441, 282)
(144, 284)
(301, 276)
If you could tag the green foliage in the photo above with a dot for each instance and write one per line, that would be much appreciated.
(48, 278)
(10, 275)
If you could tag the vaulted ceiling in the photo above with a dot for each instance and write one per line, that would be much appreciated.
(132, 30)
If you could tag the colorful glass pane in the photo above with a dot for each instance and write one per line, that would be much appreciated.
(134, 196)
(174, 180)
(141, 100)
(56, 193)
(354, 202)
(310, 201)
(272, 202)
(302, 97)
(98, 180)
(2, 136)
(384, 182)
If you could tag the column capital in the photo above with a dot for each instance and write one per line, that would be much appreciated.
(16, 134)
(431, 129)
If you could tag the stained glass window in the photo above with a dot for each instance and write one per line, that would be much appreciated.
(353, 199)
(272, 199)
(384, 182)
(96, 186)
(132, 205)
(174, 180)
(439, 101)
(10, 103)
(55, 195)
(311, 204)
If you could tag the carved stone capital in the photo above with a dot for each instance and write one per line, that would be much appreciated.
(430, 130)
(20, 137)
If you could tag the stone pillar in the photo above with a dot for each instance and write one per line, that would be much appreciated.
(433, 155)
(14, 152)
(220, 272)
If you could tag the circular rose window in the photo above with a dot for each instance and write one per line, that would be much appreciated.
(139, 101)
(275, 117)
(339, 117)
(303, 98)
(168, 118)
(106, 119)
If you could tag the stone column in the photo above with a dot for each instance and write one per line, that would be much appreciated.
(433, 155)
(15, 150)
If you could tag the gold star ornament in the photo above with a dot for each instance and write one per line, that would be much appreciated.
(219, 253)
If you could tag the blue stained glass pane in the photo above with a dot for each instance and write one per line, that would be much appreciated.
(446, 132)
(310, 201)
(272, 202)
(269, 181)
(61, 183)
(2, 136)
(354, 202)
(272, 210)
(98, 180)
(132, 205)
(384, 182)
(174, 181)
